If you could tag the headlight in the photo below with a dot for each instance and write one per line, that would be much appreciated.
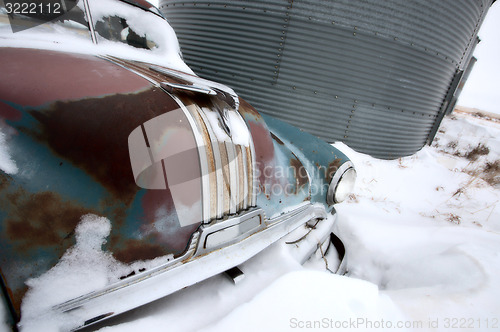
(342, 183)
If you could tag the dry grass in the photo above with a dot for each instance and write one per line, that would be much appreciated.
(452, 145)
(400, 163)
(476, 152)
(454, 218)
(491, 173)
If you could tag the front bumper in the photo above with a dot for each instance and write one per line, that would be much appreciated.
(197, 264)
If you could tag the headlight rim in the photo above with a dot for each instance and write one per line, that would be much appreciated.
(332, 188)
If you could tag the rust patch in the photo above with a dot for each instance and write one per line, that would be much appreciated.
(301, 177)
(113, 210)
(93, 134)
(17, 298)
(332, 168)
(4, 180)
(247, 110)
(135, 250)
(41, 220)
(264, 149)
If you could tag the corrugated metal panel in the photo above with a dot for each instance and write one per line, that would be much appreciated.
(374, 74)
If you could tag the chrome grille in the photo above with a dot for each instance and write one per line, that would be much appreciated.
(234, 181)
(228, 179)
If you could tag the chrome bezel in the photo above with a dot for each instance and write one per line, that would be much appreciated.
(332, 188)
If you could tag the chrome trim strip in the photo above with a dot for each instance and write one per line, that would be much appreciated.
(230, 96)
(205, 176)
(245, 177)
(219, 175)
(233, 177)
(90, 20)
(330, 195)
(194, 88)
(218, 165)
(243, 201)
(77, 302)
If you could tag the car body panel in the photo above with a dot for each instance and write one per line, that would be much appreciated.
(321, 158)
(184, 170)
(72, 77)
(71, 151)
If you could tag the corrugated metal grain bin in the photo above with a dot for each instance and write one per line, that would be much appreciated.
(377, 75)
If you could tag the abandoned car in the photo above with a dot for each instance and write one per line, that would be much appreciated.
(112, 150)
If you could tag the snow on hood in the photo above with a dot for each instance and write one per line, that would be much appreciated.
(84, 268)
(7, 164)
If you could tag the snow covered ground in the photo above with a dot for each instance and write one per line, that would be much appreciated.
(423, 244)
